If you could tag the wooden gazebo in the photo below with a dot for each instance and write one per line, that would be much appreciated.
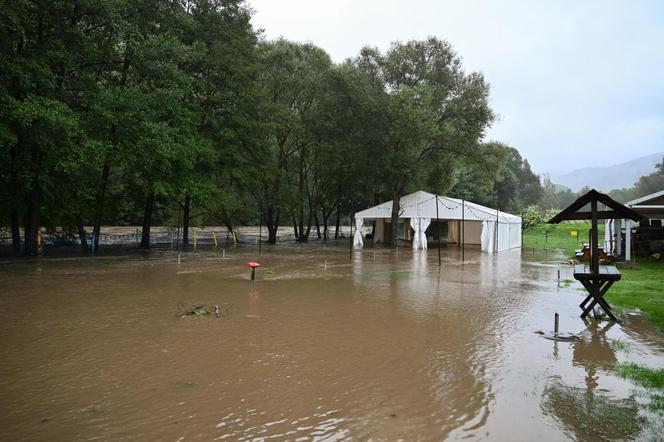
(595, 278)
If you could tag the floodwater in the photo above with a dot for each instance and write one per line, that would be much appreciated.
(386, 345)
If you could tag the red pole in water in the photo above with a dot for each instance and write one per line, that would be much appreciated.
(253, 266)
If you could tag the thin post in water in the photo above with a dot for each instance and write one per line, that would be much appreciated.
(438, 230)
(463, 230)
(350, 242)
(555, 323)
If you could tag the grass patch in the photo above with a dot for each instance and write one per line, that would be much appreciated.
(643, 376)
(558, 236)
(641, 288)
(619, 345)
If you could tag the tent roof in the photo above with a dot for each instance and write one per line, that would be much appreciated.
(423, 204)
(573, 211)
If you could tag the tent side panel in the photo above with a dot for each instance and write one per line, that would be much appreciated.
(473, 232)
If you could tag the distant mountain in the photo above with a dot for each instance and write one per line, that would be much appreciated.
(611, 177)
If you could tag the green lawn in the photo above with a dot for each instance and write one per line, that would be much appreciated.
(642, 287)
(559, 236)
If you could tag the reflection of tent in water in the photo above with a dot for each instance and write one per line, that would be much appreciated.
(467, 223)
(584, 414)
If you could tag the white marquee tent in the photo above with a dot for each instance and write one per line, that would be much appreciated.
(491, 229)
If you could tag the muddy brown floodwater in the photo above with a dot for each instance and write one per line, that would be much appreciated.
(319, 347)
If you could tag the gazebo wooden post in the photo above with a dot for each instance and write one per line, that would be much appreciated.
(594, 252)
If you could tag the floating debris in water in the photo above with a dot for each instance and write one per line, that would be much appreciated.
(204, 310)
(561, 337)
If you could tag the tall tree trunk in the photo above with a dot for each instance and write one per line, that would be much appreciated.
(31, 214)
(395, 217)
(16, 233)
(309, 220)
(30, 225)
(81, 233)
(317, 220)
(297, 235)
(13, 211)
(272, 224)
(185, 221)
(337, 222)
(99, 203)
(147, 221)
(325, 217)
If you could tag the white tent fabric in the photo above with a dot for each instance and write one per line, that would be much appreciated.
(488, 236)
(424, 224)
(357, 239)
(479, 222)
(415, 224)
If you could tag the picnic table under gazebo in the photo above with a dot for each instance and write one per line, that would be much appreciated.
(596, 279)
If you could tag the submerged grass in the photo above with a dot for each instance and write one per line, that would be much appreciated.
(643, 376)
(589, 416)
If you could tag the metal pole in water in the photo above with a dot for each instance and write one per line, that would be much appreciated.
(253, 274)
(463, 230)
(555, 325)
(177, 241)
(558, 275)
(438, 230)
(350, 242)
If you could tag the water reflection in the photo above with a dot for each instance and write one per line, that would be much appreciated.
(593, 351)
(590, 413)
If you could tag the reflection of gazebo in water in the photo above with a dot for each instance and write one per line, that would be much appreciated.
(587, 414)
(595, 278)
(594, 350)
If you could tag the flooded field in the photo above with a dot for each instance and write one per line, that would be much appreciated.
(320, 347)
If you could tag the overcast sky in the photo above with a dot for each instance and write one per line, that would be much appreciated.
(576, 83)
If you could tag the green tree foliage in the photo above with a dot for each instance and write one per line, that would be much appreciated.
(147, 111)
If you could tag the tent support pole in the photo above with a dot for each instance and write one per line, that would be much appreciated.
(350, 242)
(497, 224)
(463, 230)
(438, 230)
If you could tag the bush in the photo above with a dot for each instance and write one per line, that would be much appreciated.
(534, 215)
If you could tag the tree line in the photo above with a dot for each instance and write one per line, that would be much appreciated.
(144, 112)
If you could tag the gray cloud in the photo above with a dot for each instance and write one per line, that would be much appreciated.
(575, 83)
